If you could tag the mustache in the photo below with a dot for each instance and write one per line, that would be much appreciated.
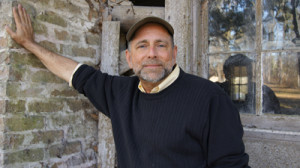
(152, 61)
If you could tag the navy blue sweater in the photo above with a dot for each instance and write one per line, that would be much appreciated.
(190, 124)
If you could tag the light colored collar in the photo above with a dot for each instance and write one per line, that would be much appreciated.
(165, 83)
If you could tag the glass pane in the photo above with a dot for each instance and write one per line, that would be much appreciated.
(281, 24)
(231, 25)
(281, 90)
(234, 74)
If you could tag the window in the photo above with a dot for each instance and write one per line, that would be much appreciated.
(231, 55)
(254, 49)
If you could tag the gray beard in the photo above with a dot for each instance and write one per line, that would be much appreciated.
(144, 76)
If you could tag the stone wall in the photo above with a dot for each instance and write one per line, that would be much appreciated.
(44, 122)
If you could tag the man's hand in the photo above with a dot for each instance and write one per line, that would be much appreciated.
(24, 32)
(61, 66)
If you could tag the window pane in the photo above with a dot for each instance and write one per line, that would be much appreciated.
(231, 25)
(234, 74)
(281, 24)
(281, 91)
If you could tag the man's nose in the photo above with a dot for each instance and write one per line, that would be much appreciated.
(152, 52)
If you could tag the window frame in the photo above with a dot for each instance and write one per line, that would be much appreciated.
(285, 124)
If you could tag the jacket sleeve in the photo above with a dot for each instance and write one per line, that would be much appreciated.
(95, 85)
(225, 147)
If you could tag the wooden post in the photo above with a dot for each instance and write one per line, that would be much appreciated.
(178, 13)
(110, 65)
(110, 47)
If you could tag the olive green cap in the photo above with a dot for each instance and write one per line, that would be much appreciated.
(146, 20)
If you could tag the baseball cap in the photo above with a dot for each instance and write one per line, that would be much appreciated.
(146, 20)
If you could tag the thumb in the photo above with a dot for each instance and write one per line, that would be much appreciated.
(9, 31)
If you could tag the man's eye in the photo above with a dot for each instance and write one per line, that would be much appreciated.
(161, 45)
(142, 46)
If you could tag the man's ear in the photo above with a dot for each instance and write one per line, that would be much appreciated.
(175, 53)
(128, 58)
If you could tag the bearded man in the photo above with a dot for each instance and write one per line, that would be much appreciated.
(162, 117)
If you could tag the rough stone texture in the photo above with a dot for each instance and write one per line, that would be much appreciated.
(44, 122)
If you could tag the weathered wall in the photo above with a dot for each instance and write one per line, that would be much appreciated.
(44, 122)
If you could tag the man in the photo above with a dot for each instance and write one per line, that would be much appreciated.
(162, 117)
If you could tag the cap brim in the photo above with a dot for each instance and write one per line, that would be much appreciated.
(146, 20)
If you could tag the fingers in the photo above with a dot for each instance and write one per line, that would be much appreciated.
(28, 20)
(16, 16)
(22, 13)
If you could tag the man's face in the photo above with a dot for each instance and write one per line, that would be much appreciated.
(151, 54)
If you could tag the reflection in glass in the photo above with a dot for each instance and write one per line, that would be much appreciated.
(281, 24)
(234, 74)
(281, 74)
(231, 25)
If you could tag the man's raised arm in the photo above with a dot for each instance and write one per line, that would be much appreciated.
(61, 66)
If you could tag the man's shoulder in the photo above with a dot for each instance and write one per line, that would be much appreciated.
(88, 73)
(198, 83)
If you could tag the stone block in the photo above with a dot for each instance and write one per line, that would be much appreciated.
(21, 90)
(53, 18)
(61, 35)
(44, 76)
(67, 6)
(82, 131)
(14, 106)
(58, 121)
(17, 73)
(66, 92)
(27, 155)
(33, 61)
(13, 141)
(4, 57)
(65, 149)
(2, 125)
(3, 42)
(92, 39)
(59, 164)
(42, 2)
(2, 89)
(79, 104)
(39, 28)
(23, 59)
(76, 160)
(87, 52)
(24, 123)
(4, 72)
(75, 38)
(49, 45)
(47, 137)
(2, 106)
(46, 106)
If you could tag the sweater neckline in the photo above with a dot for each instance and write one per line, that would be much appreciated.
(165, 91)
